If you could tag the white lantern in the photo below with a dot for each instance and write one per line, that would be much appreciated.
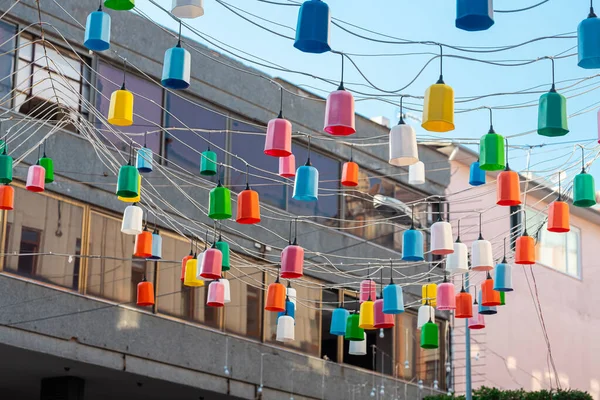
(188, 8)
(227, 288)
(483, 259)
(458, 262)
(416, 173)
(291, 294)
(358, 348)
(285, 329)
(441, 238)
(132, 220)
(403, 146)
(425, 312)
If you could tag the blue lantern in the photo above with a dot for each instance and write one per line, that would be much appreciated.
(477, 175)
(290, 310)
(144, 161)
(97, 31)
(339, 319)
(176, 68)
(393, 299)
(412, 245)
(503, 277)
(312, 31)
(483, 310)
(588, 42)
(474, 15)
(156, 246)
(306, 185)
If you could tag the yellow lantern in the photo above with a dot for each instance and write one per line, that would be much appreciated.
(138, 197)
(429, 294)
(367, 315)
(438, 108)
(120, 112)
(191, 273)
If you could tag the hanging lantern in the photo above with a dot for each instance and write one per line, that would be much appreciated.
(248, 207)
(481, 251)
(216, 294)
(278, 142)
(312, 30)
(416, 173)
(223, 247)
(525, 250)
(143, 245)
(458, 261)
(120, 111)
(339, 113)
(489, 297)
(358, 347)
(393, 298)
(36, 176)
(132, 220)
(382, 320)
(306, 186)
(477, 321)
(429, 336)
(491, 152)
(290, 309)
(48, 165)
(445, 297)
(6, 167)
(438, 108)
(368, 290)
(441, 238)
(367, 315)
(291, 293)
(339, 321)
(219, 203)
(97, 31)
(412, 242)
(7, 197)
(184, 261)
(552, 114)
(429, 294)
(476, 175)
(212, 261)
(191, 273)
(508, 188)
(145, 293)
(156, 246)
(474, 15)
(144, 160)
(486, 310)
(119, 5)
(464, 305)
(187, 8)
(275, 297)
(425, 313)
(353, 331)
(208, 163)
(287, 166)
(139, 193)
(128, 182)
(350, 174)
(177, 67)
(588, 33)
(403, 146)
(584, 189)
(226, 290)
(558, 217)
(503, 277)
(292, 258)
(502, 298)
(285, 329)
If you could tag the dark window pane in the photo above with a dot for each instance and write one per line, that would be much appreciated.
(244, 314)
(329, 342)
(7, 31)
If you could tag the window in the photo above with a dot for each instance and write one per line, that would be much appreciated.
(329, 342)
(431, 363)
(243, 315)
(7, 47)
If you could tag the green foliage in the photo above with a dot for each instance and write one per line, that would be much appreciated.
(485, 393)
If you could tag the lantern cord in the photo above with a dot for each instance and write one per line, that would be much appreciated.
(441, 80)
(522, 9)
(412, 218)
(280, 103)
(504, 258)
(506, 150)
(592, 14)
(582, 159)
(247, 176)
(553, 89)
(296, 232)
(381, 282)
(491, 119)
(401, 122)
(341, 87)
(559, 186)
(458, 235)
(179, 40)
(124, 72)
(290, 237)
(130, 152)
(351, 152)
(44, 152)
(391, 272)
(480, 234)
(100, 6)
(145, 141)
(206, 240)
(308, 159)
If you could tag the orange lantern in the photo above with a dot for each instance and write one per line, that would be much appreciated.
(276, 297)
(464, 307)
(145, 293)
(184, 261)
(350, 174)
(7, 197)
(143, 244)
(489, 297)
(248, 205)
(525, 250)
(558, 217)
(508, 188)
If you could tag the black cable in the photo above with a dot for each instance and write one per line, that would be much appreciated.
(522, 9)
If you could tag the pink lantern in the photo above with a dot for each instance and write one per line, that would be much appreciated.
(287, 166)
(339, 113)
(446, 299)
(368, 290)
(216, 294)
(382, 321)
(36, 176)
(292, 262)
(476, 321)
(212, 261)
(278, 142)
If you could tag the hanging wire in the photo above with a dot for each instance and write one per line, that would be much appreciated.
(124, 72)
(441, 80)
(280, 103)
(179, 39)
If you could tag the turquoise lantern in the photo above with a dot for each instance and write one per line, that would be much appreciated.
(588, 41)
(552, 112)
(393, 298)
(584, 189)
(97, 31)
(225, 250)
(412, 242)
(208, 163)
(339, 321)
(312, 30)
(476, 175)
(474, 15)
(177, 67)
(144, 160)
(306, 185)
(290, 309)
(503, 275)
(483, 310)
(6, 167)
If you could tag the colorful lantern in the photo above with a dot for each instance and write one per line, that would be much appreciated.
(393, 297)
(476, 175)
(275, 297)
(552, 112)
(353, 331)
(425, 313)
(312, 30)
(503, 277)
(382, 320)
(441, 237)
(219, 202)
(292, 258)
(285, 329)
(367, 315)
(474, 15)
(143, 244)
(278, 142)
(36, 176)
(156, 246)
(139, 193)
(145, 293)
(128, 182)
(184, 261)
(223, 247)
(177, 66)
(491, 150)
(350, 174)
(584, 188)
(6, 167)
(358, 347)
(212, 261)
(464, 304)
(339, 113)
(403, 146)
(438, 105)
(216, 294)
(486, 310)
(208, 163)
(119, 5)
(48, 165)
(191, 273)
(291, 293)
(287, 166)
(429, 336)
(227, 290)
(429, 294)
(525, 250)
(477, 321)
(412, 242)
(368, 290)
(248, 206)
(588, 42)
(120, 111)
(144, 160)
(502, 298)
(132, 220)
(290, 309)
(7, 197)
(339, 321)
(458, 261)
(558, 217)
(306, 186)
(187, 8)
(508, 188)
(97, 31)
(489, 296)
(416, 173)
(445, 297)
(481, 250)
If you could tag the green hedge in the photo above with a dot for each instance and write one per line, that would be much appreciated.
(485, 393)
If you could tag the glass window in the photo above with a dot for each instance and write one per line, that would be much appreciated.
(7, 47)
(243, 315)
(329, 342)
(182, 147)
(406, 354)
(43, 224)
(431, 363)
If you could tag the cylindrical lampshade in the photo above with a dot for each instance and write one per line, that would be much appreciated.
(36, 177)
(132, 220)
(503, 277)
(133, 199)
(353, 331)
(446, 298)
(367, 315)
(429, 294)
(368, 290)
(292, 262)
(425, 312)
(584, 190)
(464, 305)
(156, 246)
(476, 175)
(6, 168)
(143, 245)
(552, 115)
(290, 310)
(403, 146)
(430, 336)
(48, 165)
(119, 5)
(393, 299)
(489, 297)
(525, 250)
(312, 29)
(287, 166)
(482, 255)
(291, 294)
(558, 217)
(339, 321)
(187, 8)
(502, 298)
(212, 261)
(120, 110)
(184, 261)
(191, 274)
(477, 321)
(145, 294)
(491, 152)
(275, 297)
(458, 262)
(486, 310)
(216, 294)
(412, 245)
(144, 161)
(219, 203)
(350, 174)
(508, 189)
(339, 113)
(227, 290)
(306, 186)
(416, 173)
(285, 329)
(208, 163)
(588, 42)
(7, 197)
(382, 320)
(177, 67)
(223, 247)
(97, 31)
(474, 15)
(278, 142)
(441, 238)
(248, 207)
(128, 182)
(358, 347)
(438, 108)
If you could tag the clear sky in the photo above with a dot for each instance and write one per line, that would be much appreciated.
(427, 20)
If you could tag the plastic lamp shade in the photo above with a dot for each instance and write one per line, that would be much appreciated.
(291, 294)
(350, 174)
(312, 30)
(48, 165)
(275, 297)
(144, 160)
(584, 190)
(412, 245)
(119, 5)
(425, 312)
(287, 166)
(477, 321)
(368, 290)
(223, 247)
(212, 260)
(339, 321)
(503, 278)
(393, 299)
(508, 189)
(219, 203)
(525, 250)
(187, 8)
(382, 320)
(36, 177)
(128, 182)
(177, 67)
(552, 115)
(208, 163)
(7, 197)
(292, 262)
(416, 173)
(97, 31)
(474, 15)
(464, 305)
(446, 298)
(290, 309)
(306, 186)
(339, 113)
(441, 238)
(216, 294)
(429, 294)
(476, 175)
(191, 274)
(145, 294)
(403, 146)
(502, 298)
(482, 255)
(588, 43)
(248, 207)
(156, 247)
(491, 152)
(558, 217)
(6, 168)
(278, 142)
(489, 297)
(438, 108)
(132, 220)
(143, 245)
(184, 261)
(430, 336)
(353, 331)
(458, 262)
(285, 329)
(139, 193)
(226, 291)
(367, 315)
(486, 310)
(358, 347)
(120, 110)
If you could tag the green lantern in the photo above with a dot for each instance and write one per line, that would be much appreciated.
(208, 163)
(429, 336)
(224, 248)
(502, 298)
(552, 114)
(584, 189)
(2, 145)
(219, 203)
(353, 332)
(491, 152)
(119, 5)
(128, 181)
(48, 165)
(6, 168)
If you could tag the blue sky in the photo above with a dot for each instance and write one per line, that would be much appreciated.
(427, 20)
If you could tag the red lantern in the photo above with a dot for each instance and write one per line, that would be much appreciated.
(525, 250)
(508, 188)
(248, 207)
(7, 197)
(350, 174)
(464, 305)
(275, 297)
(292, 262)
(558, 217)
(212, 261)
(382, 321)
(489, 297)
(145, 293)
(278, 142)
(143, 245)
(339, 113)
